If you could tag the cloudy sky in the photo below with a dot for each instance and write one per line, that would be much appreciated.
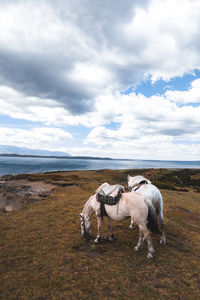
(102, 78)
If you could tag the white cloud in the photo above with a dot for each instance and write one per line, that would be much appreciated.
(70, 52)
(65, 63)
(90, 74)
(47, 111)
(154, 147)
(149, 128)
(185, 97)
(143, 127)
(43, 138)
(166, 34)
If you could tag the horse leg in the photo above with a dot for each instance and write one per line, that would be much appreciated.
(145, 235)
(141, 239)
(132, 224)
(150, 247)
(149, 243)
(111, 238)
(99, 223)
(163, 239)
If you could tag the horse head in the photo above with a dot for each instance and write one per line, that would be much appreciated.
(85, 226)
(135, 180)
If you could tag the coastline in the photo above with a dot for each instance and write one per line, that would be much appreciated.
(30, 165)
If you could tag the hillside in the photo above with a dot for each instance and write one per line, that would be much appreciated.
(7, 149)
(43, 256)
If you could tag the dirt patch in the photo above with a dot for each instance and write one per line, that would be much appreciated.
(16, 194)
(35, 184)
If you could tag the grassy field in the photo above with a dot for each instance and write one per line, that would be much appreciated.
(43, 256)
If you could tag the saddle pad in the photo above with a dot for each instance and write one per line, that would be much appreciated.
(107, 190)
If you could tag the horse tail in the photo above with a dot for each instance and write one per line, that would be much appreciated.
(159, 211)
(152, 222)
(161, 221)
(159, 215)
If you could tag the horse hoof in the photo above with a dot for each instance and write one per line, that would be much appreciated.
(97, 241)
(149, 255)
(136, 248)
(163, 243)
(132, 227)
(109, 239)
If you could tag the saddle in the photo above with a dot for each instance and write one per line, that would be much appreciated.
(103, 197)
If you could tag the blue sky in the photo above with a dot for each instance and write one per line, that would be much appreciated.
(110, 79)
(159, 87)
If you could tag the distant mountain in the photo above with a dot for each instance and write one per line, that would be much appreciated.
(5, 149)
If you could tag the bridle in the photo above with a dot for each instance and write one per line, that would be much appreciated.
(85, 234)
(137, 186)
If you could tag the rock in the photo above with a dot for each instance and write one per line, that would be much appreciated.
(15, 195)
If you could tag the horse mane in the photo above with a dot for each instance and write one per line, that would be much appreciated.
(135, 180)
(87, 209)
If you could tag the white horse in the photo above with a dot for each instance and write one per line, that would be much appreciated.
(131, 205)
(144, 187)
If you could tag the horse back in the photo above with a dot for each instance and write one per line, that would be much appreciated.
(150, 191)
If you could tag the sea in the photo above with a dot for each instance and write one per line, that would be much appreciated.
(27, 165)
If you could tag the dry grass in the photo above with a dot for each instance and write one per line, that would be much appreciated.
(43, 256)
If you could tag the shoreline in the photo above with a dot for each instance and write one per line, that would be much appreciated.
(7, 155)
(32, 165)
(95, 170)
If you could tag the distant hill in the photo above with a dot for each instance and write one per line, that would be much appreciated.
(6, 149)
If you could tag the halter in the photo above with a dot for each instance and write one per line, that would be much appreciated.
(139, 185)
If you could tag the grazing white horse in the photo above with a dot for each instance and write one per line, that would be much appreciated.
(144, 187)
(131, 205)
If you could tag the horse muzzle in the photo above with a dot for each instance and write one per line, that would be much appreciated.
(85, 235)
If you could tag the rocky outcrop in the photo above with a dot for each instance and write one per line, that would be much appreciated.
(17, 194)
